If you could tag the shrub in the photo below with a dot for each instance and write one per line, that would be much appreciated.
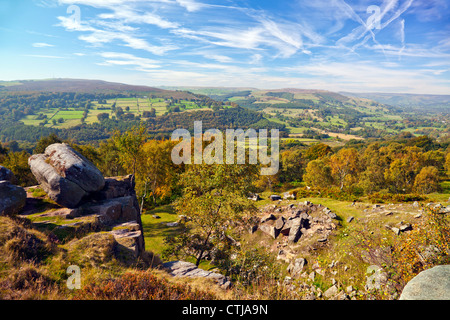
(140, 286)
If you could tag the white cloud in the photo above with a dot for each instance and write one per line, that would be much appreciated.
(125, 59)
(42, 45)
(190, 5)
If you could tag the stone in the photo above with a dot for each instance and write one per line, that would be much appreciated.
(6, 174)
(405, 227)
(267, 218)
(65, 175)
(295, 230)
(350, 219)
(331, 292)
(74, 167)
(254, 197)
(12, 198)
(188, 269)
(116, 187)
(62, 191)
(270, 230)
(431, 284)
(286, 227)
(275, 197)
(279, 223)
(444, 210)
(296, 267)
(288, 195)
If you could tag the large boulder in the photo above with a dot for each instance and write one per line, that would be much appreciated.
(65, 174)
(6, 174)
(12, 198)
(431, 284)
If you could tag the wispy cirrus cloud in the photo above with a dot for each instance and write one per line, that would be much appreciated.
(247, 40)
(42, 45)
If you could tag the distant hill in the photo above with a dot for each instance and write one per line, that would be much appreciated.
(405, 100)
(85, 86)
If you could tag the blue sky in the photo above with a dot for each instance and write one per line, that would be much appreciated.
(338, 45)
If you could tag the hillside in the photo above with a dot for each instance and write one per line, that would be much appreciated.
(404, 100)
(320, 115)
(84, 86)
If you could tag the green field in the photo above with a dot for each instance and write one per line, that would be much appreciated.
(136, 106)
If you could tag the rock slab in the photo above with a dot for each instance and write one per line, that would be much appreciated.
(188, 269)
(431, 284)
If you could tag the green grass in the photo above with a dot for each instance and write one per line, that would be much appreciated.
(155, 230)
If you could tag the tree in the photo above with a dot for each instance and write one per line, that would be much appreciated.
(375, 163)
(317, 151)
(102, 116)
(129, 147)
(447, 163)
(292, 164)
(44, 142)
(214, 197)
(344, 166)
(155, 172)
(403, 169)
(427, 181)
(17, 162)
(318, 174)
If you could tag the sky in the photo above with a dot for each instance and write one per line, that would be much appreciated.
(338, 45)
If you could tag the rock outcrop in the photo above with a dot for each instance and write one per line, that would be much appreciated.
(431, 284)
(294, 222)
(88, 199)
(12, 198)
(65, 175)
(188, 269)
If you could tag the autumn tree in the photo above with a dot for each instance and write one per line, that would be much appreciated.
(403, 169)
(427, 181)
(292, 165)
(374, 163)
(317, 151)
(156, 171)
(344, 167)
(318, 174)
(447, 163)
(214, 197)
(129, 146)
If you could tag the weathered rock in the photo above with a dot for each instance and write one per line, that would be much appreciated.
(286, 227)
(74, 167)
(59, 189)
(270, 230)
(116, 187)
(288, 195)
(294, 232)
(296, 267)
(188, 269)
(279, 223)
(6, 174)
(12, 198)
(331, 292)
(431, 284)
(267, 218)
(65, 175)
(254, 197)
(129, 237)
(113, 210)
(275, 197)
